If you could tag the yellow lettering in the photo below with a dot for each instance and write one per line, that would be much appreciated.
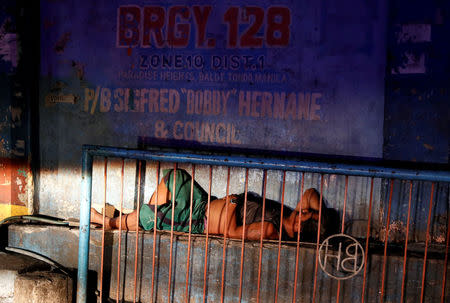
(216, 102)
(244, 103)
(234, 140)
(207, 107)
(255, 104)
(189, 131)
(190, 102)
(291, 108)
(278, 106)
(163, 100)
(199, 131)
(303, 106)
(174, 101)
(176, 134)
(118, 95)
(153, 96)
(88, 96)
(143, 100)
(127, 98)
(136, 95)
(221, 129)
(266, 106)
(225, 96)
(314, 112)
(209, 131)
(198, 102)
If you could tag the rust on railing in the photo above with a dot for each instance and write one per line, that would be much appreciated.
(120, 231)
(136, 246)
(316, 266)
(154, 232)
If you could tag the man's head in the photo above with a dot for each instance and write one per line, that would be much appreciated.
(306, 215)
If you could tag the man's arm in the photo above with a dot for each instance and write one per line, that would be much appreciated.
(222, 221)
(252, 231)
(310, 205)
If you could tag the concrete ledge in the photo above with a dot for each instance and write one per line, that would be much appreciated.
(61, 245)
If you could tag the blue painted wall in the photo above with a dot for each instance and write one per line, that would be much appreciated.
(336, 51)
(417, 105)
(310, 79)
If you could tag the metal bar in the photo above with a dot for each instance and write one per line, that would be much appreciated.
(406, 243)
(103, 231)
(137, 230)
(342, 231)
(172, 197)
(369, 216)
(279, 237)
(444, 278)
(297, 251)
(84, 229)
(316, 267)
(259, 163)
(276, 164)
(225, 234)
(207, 236)
(154, 232)
(243, 235)
(386, 237)
(189, 236)
(120, 232)
(261, 239)
(422, 291)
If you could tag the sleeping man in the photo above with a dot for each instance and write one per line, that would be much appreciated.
(222, 221)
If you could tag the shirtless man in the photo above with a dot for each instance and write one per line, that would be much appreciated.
(221, 221)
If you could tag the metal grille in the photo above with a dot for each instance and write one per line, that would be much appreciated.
(399, 217)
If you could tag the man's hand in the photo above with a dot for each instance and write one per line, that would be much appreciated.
(310, 205)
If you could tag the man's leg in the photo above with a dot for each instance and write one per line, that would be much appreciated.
(129, 220)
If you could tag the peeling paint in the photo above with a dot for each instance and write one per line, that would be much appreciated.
(58, 86)
(19, 184)
(8, 44)
(62, 43)
(414, 33)
(411, 64)
(6, 183)
(4, 147)
(79, 69)
(16, 113)
(52, 99)
(427, 146)
(397, 232)
(439, 239)
(19, 148)
(22, 172)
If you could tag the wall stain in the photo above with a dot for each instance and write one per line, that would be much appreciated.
(22, 172)
(427, 146)
(79, 69)
(62, 43)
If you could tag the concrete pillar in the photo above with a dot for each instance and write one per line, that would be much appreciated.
(43, 287)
